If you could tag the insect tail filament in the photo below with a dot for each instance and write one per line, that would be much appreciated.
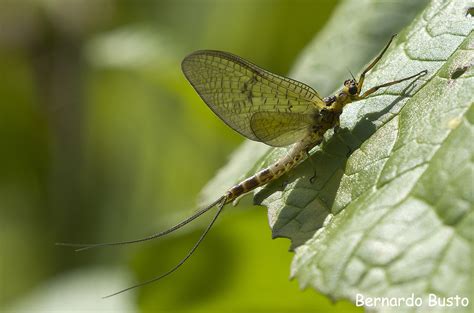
(85, 246)
(220, 204)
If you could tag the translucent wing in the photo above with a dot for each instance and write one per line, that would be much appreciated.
(236, 90)
(280, 129)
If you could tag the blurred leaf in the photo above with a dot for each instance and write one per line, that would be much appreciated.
(140, 47)
(79, 291)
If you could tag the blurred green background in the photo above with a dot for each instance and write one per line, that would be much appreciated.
(102, 139)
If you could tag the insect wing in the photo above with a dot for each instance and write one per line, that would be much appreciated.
(280, 129)
(236, 90)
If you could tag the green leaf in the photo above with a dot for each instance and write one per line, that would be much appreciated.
(401, 218)
(389, 213)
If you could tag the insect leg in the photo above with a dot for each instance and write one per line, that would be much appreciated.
(312, 178)
(372, 64)
(374, 89)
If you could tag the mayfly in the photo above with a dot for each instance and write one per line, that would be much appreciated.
(264, 107)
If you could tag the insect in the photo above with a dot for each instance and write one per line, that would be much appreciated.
(264, 107)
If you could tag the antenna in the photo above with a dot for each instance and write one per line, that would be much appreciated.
(350, 73)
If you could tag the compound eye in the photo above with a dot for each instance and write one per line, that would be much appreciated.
(352, 90)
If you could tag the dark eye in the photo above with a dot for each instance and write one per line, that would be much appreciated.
(353, 90)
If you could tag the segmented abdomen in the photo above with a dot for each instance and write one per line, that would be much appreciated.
(275, 170)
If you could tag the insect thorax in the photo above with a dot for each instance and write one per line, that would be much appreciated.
(327, 117)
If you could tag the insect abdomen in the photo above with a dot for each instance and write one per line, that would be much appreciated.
(266, 175)
(259, 179)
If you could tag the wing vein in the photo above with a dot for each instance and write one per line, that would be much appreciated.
(258, 104)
